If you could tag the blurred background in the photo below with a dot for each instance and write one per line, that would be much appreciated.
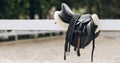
(44, 9)
(36, 46)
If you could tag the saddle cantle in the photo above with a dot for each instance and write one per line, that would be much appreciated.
(66, 13)
(82, 29)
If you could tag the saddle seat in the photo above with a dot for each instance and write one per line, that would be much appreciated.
(66, 14)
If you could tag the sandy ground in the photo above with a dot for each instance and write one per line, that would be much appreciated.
(50, 50)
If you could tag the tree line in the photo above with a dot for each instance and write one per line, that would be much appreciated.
(23, 9)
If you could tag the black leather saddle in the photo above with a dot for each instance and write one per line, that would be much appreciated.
(81, 30)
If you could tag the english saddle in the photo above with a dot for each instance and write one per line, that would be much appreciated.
(81, 29)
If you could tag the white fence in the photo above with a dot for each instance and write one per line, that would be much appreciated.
(47, 26)
(108, 24)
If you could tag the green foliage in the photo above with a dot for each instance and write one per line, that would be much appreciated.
(15, 9)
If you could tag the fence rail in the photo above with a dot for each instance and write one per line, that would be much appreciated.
(46, 26)
(105, 25)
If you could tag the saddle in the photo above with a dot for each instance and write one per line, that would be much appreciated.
(81, 31)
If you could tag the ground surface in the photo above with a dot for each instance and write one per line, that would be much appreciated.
(50, 50)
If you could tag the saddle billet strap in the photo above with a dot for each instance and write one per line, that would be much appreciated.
(65, 49)
(69, 34)
(69, 47)
(80, 36)
(78, 46)
(93, 38)
(79, 33)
